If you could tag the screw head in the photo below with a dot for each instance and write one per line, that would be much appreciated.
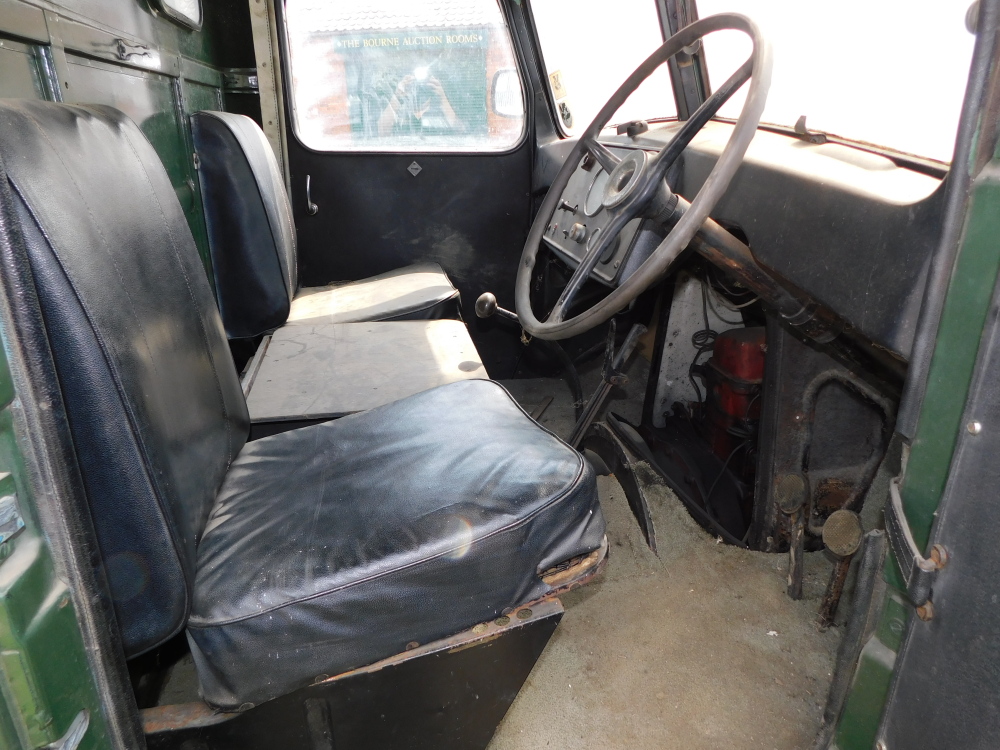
(974, 427)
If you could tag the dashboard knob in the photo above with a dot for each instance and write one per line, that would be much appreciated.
(578, 233)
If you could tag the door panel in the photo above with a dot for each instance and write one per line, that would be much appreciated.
(20, 77)
(394, 98)
(468, 213)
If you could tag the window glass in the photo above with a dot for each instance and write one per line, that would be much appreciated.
(403, 75)
(187, 12)
(590, 47)
(889, 72)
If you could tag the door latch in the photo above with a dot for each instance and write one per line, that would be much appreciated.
(125, 51)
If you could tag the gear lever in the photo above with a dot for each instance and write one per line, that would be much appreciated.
(487, 307)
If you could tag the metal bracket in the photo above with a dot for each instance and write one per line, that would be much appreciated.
(74, 735)
(125, 51)
(11, 520)
(611, 376)
(918, 571)
(240, 80)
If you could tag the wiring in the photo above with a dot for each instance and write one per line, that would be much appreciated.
(703, 341)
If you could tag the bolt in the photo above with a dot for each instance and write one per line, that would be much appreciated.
(939, 555)
(926, 611)
(974, 427)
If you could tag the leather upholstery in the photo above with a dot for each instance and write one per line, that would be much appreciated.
(419, 292)
(335, 545)
(250, 229)
(153, 399)
(252, 240)
(305, 553)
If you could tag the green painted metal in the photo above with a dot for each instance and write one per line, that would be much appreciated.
(863, 709)
(159, 92)
(967, 306)
(44, 675)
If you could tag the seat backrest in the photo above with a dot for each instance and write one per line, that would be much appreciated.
(250, 228)
(151, 392)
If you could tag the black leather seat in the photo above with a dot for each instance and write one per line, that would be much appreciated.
(330, 350)
(253, 244)
(297, 555)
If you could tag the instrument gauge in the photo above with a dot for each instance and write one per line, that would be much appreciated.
(595, 196)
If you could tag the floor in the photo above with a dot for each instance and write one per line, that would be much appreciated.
(699, 648)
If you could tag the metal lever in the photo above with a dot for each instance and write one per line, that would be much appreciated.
(311, 208)
(125, 51)
(487, 307)
(611, 376)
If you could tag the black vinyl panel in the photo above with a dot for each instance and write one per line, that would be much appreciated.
(469, 213)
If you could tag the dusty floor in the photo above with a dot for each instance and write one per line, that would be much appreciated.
(699, 648)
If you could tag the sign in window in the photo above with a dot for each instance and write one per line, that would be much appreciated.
(403, 76)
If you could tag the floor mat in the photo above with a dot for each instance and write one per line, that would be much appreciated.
(699, 648)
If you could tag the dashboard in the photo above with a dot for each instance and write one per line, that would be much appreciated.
(580, 218)
(850, 228)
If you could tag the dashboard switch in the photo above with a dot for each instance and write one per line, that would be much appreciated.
(578, 232)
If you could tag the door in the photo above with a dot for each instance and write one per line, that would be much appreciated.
(408, 123)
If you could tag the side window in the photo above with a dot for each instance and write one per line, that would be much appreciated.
(590, 47)
(411, 76)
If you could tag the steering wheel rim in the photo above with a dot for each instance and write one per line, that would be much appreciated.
(758, 69)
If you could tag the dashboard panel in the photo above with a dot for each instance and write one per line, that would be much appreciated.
(580, 218)
(850, 228)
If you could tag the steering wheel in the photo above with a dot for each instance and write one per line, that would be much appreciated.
(636, 184)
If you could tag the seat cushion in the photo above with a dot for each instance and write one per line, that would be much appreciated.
(323, 371)
(251, 234)
(336, 545)
(418, 292)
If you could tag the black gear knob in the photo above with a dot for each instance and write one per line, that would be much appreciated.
(487, 307)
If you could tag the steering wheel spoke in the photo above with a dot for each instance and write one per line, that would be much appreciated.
(595, 249)
(601, 153)
(666, 156)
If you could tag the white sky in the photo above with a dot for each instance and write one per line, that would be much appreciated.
(891, 72)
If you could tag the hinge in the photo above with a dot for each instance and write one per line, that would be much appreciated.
(919, 572)
(240, 80)
(11, 520)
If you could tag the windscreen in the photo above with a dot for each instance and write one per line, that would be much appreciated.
(885, 72)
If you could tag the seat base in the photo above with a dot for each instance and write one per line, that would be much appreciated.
(316, 372)
(421, 291)
(450, 694)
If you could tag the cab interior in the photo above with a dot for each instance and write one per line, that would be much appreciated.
(384, 402)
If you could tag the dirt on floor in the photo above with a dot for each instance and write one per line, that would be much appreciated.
(697, 648)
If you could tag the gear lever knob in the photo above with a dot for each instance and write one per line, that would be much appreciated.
(486, 307)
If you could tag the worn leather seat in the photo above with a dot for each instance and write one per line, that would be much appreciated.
(253, 244)
(305, 553)
(328, 350)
